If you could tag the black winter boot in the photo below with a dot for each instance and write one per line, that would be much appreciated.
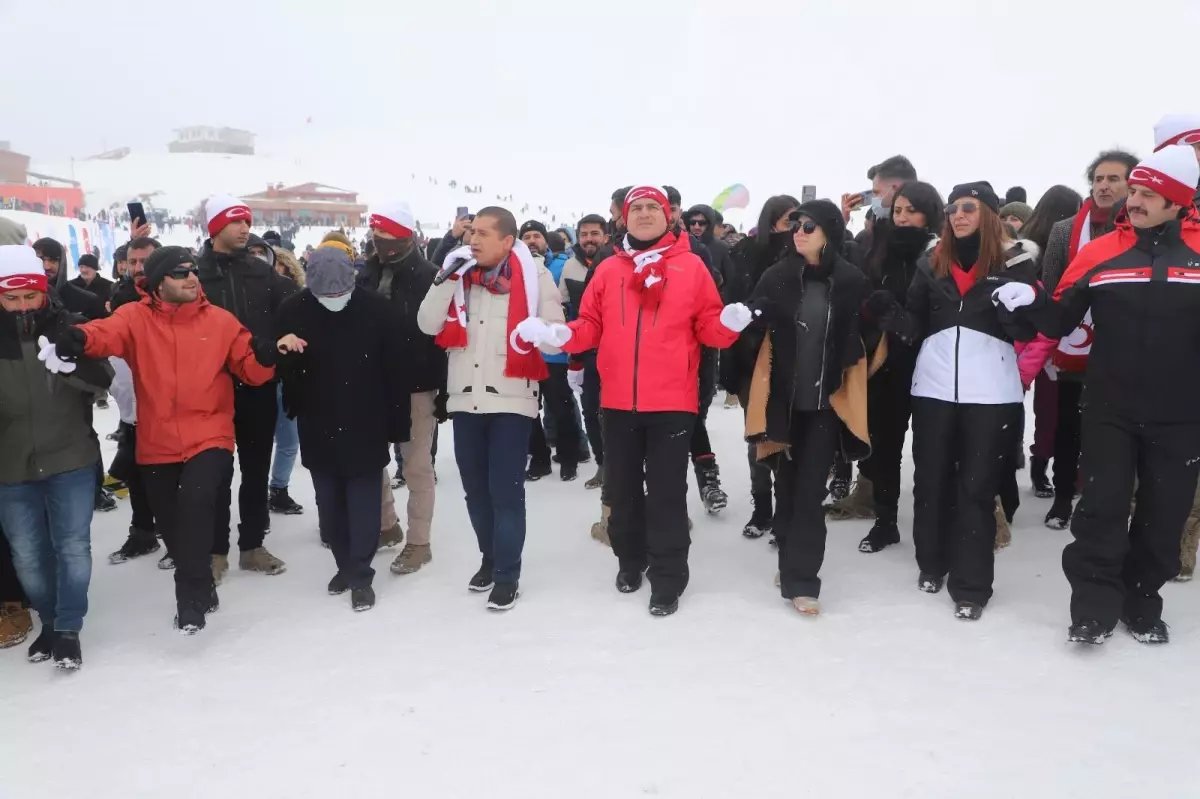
(708, 478)
(885, 532)
(760, 521)
(280, 501)
(1037, 473)
(1059, 517)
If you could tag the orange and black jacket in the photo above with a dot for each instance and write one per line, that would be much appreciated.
(1143, 288)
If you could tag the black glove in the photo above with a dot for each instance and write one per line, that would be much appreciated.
(882, 305)
(265, 352)
(70, 344)
(439, 407)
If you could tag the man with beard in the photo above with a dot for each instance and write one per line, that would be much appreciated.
(252, 291)
(1108, 175)
(1142, 419)
(73, 298)
(399, 272)
(89, 278)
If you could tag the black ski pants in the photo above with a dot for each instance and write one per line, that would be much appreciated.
(556, 395)
(1116, 567)
(889, 407)
(1068, 438)
(590, 403)
(254, 416)
(961, 454)
(184, 497)
(800, 479)
(646, 486)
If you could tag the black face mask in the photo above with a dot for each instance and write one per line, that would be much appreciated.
(392, 250)
(908, 242)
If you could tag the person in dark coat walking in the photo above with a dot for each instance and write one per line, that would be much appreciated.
(348, 389)
(89, 278)
(808, 386)
(250, 289)
(967, 395)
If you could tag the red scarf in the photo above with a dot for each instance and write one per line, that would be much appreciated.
(1081, 230)
(1072, 352)
(522, 361)
(649, 270)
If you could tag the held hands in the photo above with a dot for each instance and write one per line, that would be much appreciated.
(70, 344)
(737, 317)
(291, 343)
(54, 364)
(881, 304)
(1014, 295)
(540, 334)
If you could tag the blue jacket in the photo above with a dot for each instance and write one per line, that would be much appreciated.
(555, 263)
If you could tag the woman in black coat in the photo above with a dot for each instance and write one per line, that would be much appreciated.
(348, 388)
(898, 245)
(967, 398)
(809, 361)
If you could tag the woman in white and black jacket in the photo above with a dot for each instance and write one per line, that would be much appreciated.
(966, 395)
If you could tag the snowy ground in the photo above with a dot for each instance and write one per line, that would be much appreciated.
(578, 692)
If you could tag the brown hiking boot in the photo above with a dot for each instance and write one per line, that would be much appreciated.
(260, 560)
(411, 558)
(220, 566)
(391, 537)
(600, 528)
(860, 504)
(1003, 533)
(15, 624)
(731, 401)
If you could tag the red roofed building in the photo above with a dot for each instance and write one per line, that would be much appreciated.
(307, 204)
(22, 190)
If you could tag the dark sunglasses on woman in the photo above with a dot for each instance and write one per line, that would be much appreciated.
(967, 208)
(794, 223)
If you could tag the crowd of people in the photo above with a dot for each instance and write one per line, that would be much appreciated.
(940, 315)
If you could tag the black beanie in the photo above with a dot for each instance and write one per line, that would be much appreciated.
(979, 190)
(87, 259)
(1016, 195)
(829, 218)
(532, 224)
(162, 261)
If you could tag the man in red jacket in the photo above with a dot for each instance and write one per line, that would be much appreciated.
(648, 310)
(185, 410)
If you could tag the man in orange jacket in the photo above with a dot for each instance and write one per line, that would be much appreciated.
(184, 353)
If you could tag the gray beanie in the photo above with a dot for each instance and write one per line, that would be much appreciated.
(329, 272)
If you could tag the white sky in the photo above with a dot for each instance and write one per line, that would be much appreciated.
(567, 100)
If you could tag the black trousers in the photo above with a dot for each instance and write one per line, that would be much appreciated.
(760, 472)
(961, 454)
(800, 517)
(185, 499)
(1116, 567)
(556, 395)
(701, 445)
(349, 514)
(590, 404)
(254, 418)
(10, 586)
(646, 483)
(124, 467)
(1067, 438)
(889, 407)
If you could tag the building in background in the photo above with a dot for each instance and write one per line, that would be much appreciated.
(206, 139)
(306, 204)
(22, 190)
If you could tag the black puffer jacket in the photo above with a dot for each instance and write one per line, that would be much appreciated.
(411, 278)
(752, 257)
(246, 287)
(722, 264)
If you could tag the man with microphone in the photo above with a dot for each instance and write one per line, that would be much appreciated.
(483, 292)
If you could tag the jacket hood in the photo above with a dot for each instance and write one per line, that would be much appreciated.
(708, 213)
(1019, 252)
(255, 241)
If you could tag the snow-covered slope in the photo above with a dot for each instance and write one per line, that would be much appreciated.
(579, 693)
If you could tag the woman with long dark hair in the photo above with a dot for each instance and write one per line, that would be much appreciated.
(916, 219)
(752, 256)
(966, 395)
(1058, 203)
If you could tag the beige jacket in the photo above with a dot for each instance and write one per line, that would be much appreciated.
(475, 376)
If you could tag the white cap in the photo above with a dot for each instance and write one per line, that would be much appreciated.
(395, 218)
(1171, 172)
(1177, 129)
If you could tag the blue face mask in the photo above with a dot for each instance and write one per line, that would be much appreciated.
(335, 304)
(877, 208)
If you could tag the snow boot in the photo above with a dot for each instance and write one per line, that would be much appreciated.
(362, 598)
(411, 558)
(482, 581)
(398, 481)
(662, 604)
(839, 489)
(629, 580)
(391, 537)
(1059, 517)
(15, 624)
(220, 567)
(597, 481)
(708, 478)
(42, 646)
(166, 562)
(761, 519)
(929, 583)
(280, 501)
(537, 471)
(66, 652)
(600, 528)
(731, 401)
(1037, 473)
(189, 617)
(1088, 632)
(883, 534)
(1147, 631)
(260, 560)
(503, 597)
(214, 602)
(104, 501)
(857, 504)
(807, 605)
(568, 472)
(139, 542)
(338, 585)
(1003, 531)
(968, 611)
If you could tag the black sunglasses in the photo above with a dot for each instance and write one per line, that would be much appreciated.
(181, 272)
(794, 223)
(697, 223)
(967, 208)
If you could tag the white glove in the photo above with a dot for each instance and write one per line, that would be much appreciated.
(736, 317)
(457, 259)
(575, 380)
(560, 334)
(48, 356)
(1051, 371)
(1014, 295)
(534, 330)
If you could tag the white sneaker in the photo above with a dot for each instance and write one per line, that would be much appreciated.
(807, 605)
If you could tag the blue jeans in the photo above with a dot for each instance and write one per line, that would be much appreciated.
(49, 528)
(287, 446)
(491, 452)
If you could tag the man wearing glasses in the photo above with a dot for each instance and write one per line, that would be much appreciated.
(186, 431)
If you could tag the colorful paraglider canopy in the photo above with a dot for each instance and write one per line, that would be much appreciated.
(736, 196)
